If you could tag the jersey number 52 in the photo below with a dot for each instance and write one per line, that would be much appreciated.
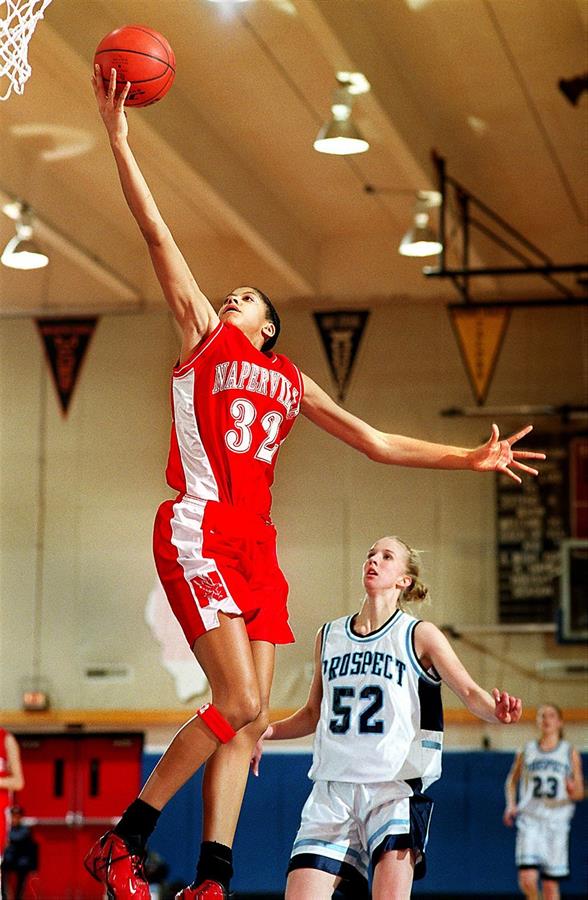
(343, 710)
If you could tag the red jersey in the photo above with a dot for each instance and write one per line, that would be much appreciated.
(5, 795)
(233, 406)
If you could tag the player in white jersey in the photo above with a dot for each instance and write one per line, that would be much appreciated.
(375, 707)
(548, 774)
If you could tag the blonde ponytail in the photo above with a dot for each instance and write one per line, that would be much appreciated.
(417, 591)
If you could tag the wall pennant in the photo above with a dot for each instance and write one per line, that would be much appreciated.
(65, 342)
(341, 332)
(479, 333)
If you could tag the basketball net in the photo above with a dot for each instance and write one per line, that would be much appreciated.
(16, 29)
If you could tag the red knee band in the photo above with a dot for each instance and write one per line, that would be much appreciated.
(217, 723)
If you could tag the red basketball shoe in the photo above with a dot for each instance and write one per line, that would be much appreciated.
(206, 890)
(111, 862)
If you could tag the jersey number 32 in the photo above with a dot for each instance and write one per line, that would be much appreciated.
(239, 438)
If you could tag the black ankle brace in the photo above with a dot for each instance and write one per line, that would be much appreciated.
(215, 863)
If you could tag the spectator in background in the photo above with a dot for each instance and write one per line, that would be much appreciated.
(20, 857)
(11, 779)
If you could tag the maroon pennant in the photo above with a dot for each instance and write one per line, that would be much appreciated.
(341, 331)
(66, 342)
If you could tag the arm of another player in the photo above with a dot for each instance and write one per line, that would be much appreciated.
(510, 790)
(433, 649)
(575, 784)
(15, 780)
(301, 723)
(395, 449)
(189, 305)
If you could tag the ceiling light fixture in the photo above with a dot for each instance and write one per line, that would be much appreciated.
(21, 252)
(421, 240)
(340, 136)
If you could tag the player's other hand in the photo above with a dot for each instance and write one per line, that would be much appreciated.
(510, 814)
(497, 455)
(258, 750)
(507, 709)
(575, 790)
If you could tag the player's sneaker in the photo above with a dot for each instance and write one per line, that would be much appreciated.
(111, 862)
(206, 890)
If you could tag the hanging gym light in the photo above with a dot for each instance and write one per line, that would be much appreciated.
(420, 239)
(21, 252)
(340, 135)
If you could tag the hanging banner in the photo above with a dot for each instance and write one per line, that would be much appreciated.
(479, 333)
(66, 342)
(341, 332)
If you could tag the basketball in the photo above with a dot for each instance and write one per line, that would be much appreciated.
(140, 55)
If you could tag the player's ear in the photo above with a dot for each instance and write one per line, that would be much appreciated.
(268, 330)
(404, 582)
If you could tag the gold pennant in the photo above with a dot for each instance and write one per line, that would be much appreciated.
(479, 333)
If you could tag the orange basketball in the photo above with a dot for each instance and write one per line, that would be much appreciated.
(139, 55)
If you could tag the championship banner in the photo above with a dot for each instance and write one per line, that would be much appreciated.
(66, 342)
(341, 332)
(479, 333)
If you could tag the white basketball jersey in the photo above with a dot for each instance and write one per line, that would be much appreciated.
(381, 715)
(543, 792)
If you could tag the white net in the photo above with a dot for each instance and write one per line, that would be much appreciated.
(17, 23)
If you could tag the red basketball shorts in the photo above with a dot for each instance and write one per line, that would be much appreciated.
(212, 558)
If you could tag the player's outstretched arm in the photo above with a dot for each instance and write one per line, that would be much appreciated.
(433, 649)
(495, 455)
(301, 723)
(510, 791)
(189, 305)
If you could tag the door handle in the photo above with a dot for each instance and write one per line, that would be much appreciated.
(72, 819)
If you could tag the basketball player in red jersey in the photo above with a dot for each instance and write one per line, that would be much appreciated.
(234, 402)
(11, 779)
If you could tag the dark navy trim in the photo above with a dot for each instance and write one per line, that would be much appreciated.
(383, 828)
(416, 784)
(544, 875)
(431, 707)
(338, 848)
(373, 635)
(421, 809)
(333, 866)
(414, 660)
(326, 629)
(323, 627)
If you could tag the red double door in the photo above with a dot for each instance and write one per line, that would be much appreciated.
(75, 788)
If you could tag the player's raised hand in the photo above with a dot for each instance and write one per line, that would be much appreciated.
(110, 106)
(497, 455)
(258, 750)
(507, 709)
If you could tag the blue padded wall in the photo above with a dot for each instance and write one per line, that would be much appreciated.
(470, 851)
